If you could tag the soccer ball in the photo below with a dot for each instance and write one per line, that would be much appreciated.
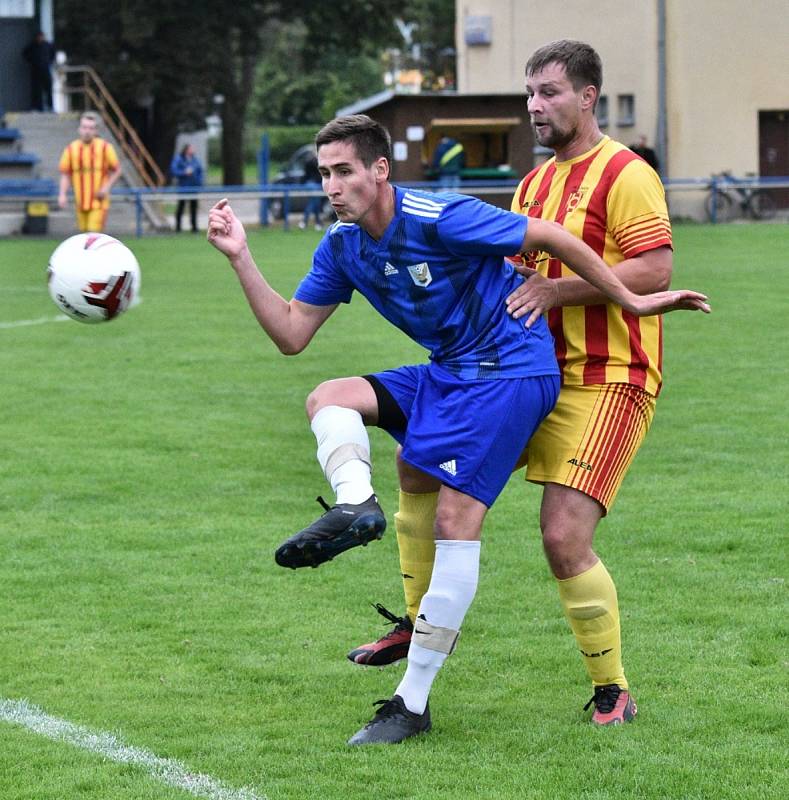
(93, 277)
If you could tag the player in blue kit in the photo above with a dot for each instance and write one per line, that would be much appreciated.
(433, 266)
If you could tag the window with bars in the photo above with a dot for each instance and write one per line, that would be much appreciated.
(602, 111)
(625, 110)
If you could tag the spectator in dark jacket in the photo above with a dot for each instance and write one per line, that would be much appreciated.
(40, 54)
(641, 148)
(187, 171)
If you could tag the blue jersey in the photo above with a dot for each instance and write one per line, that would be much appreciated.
(438, 274)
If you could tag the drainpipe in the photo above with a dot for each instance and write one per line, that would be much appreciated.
(662, 122)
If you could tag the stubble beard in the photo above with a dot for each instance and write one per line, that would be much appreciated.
(555, 138)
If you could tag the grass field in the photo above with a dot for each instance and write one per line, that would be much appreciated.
(150, 466)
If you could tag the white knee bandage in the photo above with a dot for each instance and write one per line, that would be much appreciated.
(344, 452)
(342, 455)
(341, 437)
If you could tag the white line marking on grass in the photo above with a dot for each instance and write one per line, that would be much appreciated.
(167, 770)
(23, 323)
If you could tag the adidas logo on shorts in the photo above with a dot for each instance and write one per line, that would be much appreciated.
(449, 467)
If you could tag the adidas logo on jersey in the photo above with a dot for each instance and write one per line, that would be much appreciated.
(450, 467)
(390, 269)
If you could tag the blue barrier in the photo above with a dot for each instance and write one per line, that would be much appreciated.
(266, 192)
(23, 188)
(47, 189)
(19, 158)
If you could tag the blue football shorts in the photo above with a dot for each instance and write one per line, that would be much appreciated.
(468, 434)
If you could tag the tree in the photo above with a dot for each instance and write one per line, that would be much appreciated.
(311, 66)
(142, 52)
(164, 62)
(171, 59)
(299, 85)
(434, 36)
(242, 39)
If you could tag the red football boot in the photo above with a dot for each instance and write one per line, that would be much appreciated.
(613, 705)
(390, 648)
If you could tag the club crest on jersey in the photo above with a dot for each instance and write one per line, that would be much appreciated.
(575, 198)
(420, 274)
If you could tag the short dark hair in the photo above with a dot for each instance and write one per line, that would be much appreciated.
(369, 138)
(580, 61)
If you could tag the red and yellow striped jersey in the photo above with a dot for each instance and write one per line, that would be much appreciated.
(88, 165)
(615, 202)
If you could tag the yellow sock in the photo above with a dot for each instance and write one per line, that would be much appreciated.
(414, 526)
(590, 605)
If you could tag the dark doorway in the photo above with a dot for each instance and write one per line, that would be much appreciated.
(774, 150)
(15, 33)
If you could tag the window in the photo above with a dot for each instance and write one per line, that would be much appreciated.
(602, 111)
(17, 8)
(625, 110)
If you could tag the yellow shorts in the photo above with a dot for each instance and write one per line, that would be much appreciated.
(590, 438)
(92, 220)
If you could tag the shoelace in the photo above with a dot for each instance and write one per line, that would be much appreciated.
(604, 698)
(387, 708)
(326, 506)
(401, 623)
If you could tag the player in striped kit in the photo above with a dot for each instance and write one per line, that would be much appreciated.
(91, 166)
(611, 364)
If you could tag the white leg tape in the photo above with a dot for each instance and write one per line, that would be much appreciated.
(432, 637)
(343, 454)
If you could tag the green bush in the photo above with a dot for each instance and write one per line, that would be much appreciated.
(283, 140)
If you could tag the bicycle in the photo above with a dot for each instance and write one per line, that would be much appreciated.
(728, 194)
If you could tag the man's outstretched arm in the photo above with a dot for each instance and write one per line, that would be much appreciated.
(290, 325)
(553, 238)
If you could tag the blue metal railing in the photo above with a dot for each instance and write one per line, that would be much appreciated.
(285, 193)
(278, 191)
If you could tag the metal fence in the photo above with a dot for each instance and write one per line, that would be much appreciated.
(282, 194)
(724, 194)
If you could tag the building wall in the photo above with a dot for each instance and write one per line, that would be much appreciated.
(518, 28)
(725, 63)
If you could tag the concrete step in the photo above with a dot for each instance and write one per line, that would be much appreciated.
(11, 222)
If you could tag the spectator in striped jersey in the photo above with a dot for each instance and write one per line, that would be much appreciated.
(90, 166)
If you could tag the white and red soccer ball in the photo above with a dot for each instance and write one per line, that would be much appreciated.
(93, 277)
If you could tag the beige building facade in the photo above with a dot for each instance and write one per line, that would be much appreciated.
(707, 82)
